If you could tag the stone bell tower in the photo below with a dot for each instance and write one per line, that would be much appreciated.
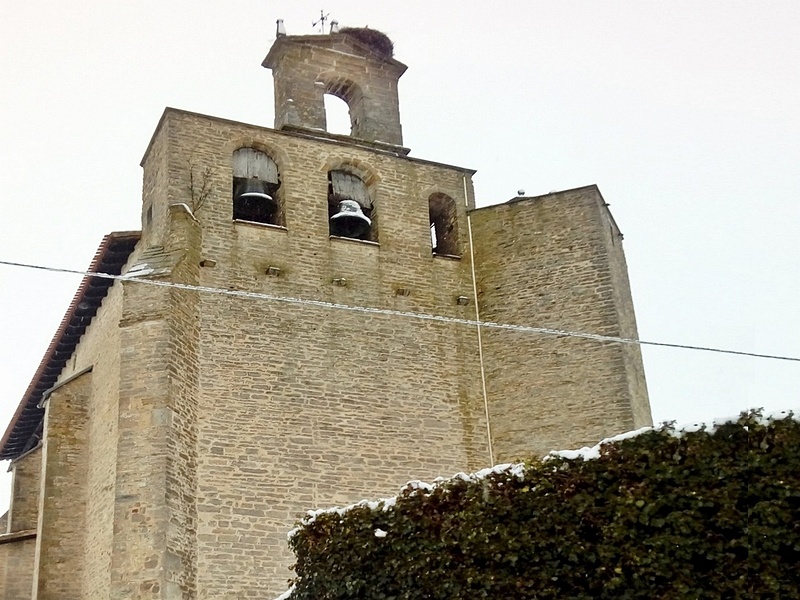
(321, 347)
(355, 65)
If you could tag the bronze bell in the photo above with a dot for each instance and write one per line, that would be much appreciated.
(350, 221)
(253, 202)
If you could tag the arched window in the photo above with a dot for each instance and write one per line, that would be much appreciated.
(444, 225)
(343, 103)
(351, 212)
(256, 188)
(337, 115)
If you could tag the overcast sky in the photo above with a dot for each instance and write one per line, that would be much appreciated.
(684, 113)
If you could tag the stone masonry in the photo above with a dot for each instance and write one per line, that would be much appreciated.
(18, 545)
(567, 249)
(191, 427)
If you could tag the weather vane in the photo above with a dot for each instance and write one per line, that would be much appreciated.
(321, 21)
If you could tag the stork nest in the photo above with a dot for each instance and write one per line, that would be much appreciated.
(377, 41)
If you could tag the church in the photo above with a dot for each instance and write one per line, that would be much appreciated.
(305, 319)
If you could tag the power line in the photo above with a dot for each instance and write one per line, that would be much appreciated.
(398, 313)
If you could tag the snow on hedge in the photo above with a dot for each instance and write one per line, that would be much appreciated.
(518, 469)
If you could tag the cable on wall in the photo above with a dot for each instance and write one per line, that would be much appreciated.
(400, 313)
(478, 326)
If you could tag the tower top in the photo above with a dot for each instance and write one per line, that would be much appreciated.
(354, 64)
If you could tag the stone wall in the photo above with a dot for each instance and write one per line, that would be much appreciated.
(16, 570)
(626, 317)
(180, 562)
(307, 67)
(545, 262)
(304, 406)
(153, 542)
(4, 565)
(210, 422)
(155, 187)
(100, 349)
(18, 539)
(23, 512)
(3, 555)
(301, 405)
(62, 520)
(140, 515)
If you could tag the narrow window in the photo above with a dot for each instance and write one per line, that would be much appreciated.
(351, 212)
(444, 225)
(256, 188)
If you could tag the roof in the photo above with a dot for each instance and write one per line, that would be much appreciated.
(24, 431)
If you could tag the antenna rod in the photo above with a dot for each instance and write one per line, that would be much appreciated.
(321, 21)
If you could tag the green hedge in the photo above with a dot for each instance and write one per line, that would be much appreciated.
(711, 513)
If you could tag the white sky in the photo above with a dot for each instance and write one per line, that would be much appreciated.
(685, 113)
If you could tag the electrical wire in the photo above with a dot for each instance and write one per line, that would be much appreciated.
(398, 313)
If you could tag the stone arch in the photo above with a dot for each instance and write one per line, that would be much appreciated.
(345, 88)
(363, 169)
(337, 115)
(276, 153)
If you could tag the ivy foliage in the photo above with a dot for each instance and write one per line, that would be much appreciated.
(664, 514)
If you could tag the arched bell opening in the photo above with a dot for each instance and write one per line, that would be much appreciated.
(337, 115)
(444, 225)
(351, 212)
(256, 188)
(343, 103)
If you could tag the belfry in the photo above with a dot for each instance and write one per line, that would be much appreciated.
(324, 330)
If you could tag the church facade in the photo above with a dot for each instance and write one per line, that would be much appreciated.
(299, 327)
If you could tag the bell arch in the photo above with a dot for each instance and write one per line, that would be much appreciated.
(256, 186)
(346, 89)
(365, 76)
(443, 224)
(337, 115)
(368, 173)
(351, 210)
